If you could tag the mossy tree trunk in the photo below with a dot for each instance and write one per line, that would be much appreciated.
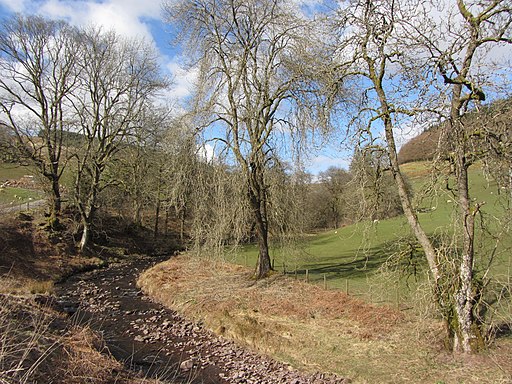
(258, 201)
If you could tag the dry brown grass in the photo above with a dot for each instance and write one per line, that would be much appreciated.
(31, 258)
(38, 346)
(316, 329)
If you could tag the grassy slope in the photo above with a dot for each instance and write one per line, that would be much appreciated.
(352, 256)
(16, 195)
(317, 329)
(13, 171)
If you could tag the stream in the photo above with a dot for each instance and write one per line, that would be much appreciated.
(157, 341)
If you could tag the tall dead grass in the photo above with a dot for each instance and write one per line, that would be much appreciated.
(37, 345)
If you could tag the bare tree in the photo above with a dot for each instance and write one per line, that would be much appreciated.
(118, 79)
(336, 181)
(394, 46)
(482, 25)
(37, 73)
(251, 85)
(181, 163)
(139, 164)
(372, 186)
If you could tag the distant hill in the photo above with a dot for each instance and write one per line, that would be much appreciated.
(425, 145)
(420, 148)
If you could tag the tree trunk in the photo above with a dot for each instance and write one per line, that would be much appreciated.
(182, 215)
(166, 221)
(56, 205)
(86, 237)
(88, 209)
(467, 335)
(259, 208)
(263, 267)
(137, 209)
(405, 200)
(157, 219)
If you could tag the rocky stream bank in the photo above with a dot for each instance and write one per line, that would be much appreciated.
(159, 342)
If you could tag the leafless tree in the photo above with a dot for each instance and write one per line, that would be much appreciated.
(181, 163)
(37, 73)
(372, 188)
(118, 79)
(400, 48)
(482, 25)
(252, 85)
(138, 166)
(336, 181)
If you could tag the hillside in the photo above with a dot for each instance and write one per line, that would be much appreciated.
(352, 300)
(491, 126)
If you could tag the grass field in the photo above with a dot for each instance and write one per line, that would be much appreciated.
(354, 257)
(13, 171)
(16, 195)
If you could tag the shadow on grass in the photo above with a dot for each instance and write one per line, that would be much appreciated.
(503, 330)
(345, 266)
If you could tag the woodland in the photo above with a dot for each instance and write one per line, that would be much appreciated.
(83, 109)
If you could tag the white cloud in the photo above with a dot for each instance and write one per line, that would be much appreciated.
(206, 152)
(184, 80)
(14, 5)
(127, 17)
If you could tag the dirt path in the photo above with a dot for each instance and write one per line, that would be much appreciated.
(159, 342)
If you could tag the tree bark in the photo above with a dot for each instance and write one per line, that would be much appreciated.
(467, 335)
(157, 218)
(263, 266)
(56, 205)
(258, 202)
(410, 214)
(86, 237)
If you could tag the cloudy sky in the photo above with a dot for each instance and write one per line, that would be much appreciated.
(133, 18)
(143, 18)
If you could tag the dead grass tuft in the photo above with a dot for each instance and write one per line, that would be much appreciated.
(81, 360)
(37, 346)
(31, 258)
(312, 328)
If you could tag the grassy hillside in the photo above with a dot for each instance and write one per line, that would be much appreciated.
(384, 331)
(354, 257)
(18, 185)
(490, 125)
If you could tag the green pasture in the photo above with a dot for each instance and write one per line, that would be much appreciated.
(364, 258)
(14, 195)
(18, 196)
(13, 171)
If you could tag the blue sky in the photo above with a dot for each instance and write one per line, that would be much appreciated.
(132, 18)
(143, 19)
